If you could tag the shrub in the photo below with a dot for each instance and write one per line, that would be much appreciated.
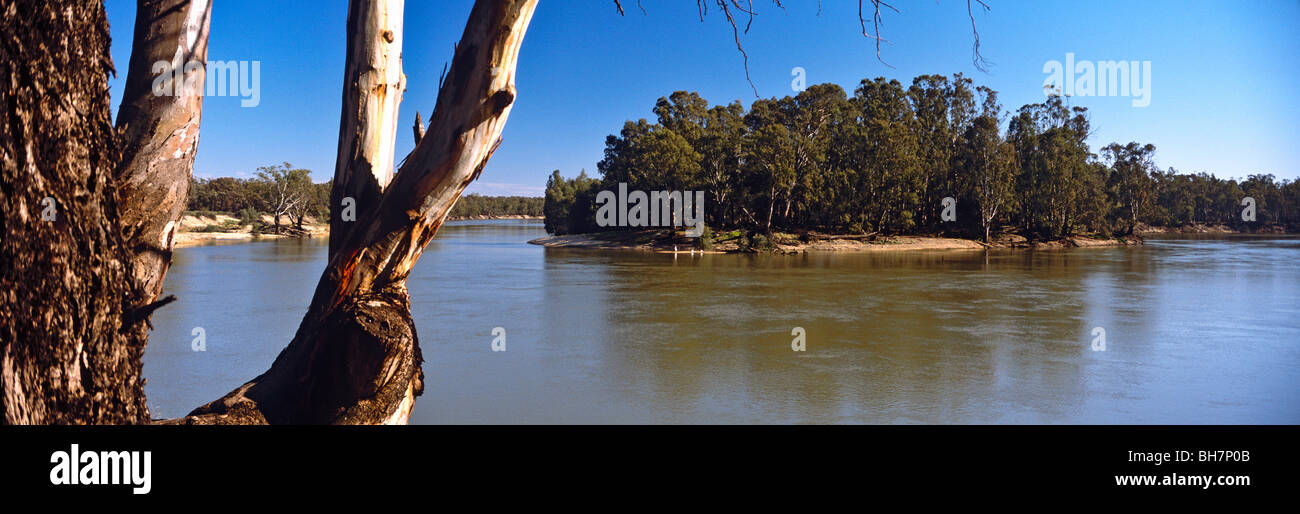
(249, 215)
(756, 243)
(705, 241)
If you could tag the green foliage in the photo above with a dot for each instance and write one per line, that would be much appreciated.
(226, 226)
(479, 205)
(884, 159)
(1057, 186)
(989, 169)
(569, 204)
(1130, 179)
(249, 215)
(290, 190)
(225, 194)
(705, 241)
(756, 242)
(278, 189)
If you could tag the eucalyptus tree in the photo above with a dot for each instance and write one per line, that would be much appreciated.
(1131, 167)
(286, 191)
(1267, 194)
(95, 207)
(650, 157)
(685, 113)
(988, 165)
(770, 160)
(810, 116)
(944, 110)
(1056, 183)
(721, 160)
(892, 169)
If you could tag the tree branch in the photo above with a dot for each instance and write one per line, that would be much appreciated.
(372, 92)
(160, 132)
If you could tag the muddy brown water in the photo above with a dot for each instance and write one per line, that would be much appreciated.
(1197, 330)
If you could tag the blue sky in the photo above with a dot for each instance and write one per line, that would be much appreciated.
(1222, 80)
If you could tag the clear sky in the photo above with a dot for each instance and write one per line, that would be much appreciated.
(1223, 74)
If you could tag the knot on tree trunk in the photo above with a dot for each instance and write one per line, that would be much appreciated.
(360, 366)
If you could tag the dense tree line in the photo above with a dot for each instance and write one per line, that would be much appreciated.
(884, 160)
(283, 191)
(479, 205)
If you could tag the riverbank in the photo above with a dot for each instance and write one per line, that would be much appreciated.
(1201, 228)
(484, 217)
(196, 230)
(661, 241)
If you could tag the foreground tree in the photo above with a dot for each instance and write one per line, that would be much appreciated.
(61, 218)
(90, 210)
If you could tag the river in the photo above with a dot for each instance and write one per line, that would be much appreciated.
(1197, 330)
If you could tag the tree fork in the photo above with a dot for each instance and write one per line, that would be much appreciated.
(360, 306)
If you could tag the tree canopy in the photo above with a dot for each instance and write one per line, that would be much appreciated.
(884, 159)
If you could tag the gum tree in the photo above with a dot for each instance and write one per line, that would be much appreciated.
(91, 209)
(988, 164)
(1130, 177)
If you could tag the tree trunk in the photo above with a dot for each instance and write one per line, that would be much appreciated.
(356, 358)
(84, 284)
(372, 91)
(160, 131)
(71, 351)
(771, 208)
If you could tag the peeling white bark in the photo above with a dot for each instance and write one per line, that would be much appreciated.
(373, 84)
(160, 132)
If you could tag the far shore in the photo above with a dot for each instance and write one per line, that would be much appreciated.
(660, 241)
(222, 228)
(1201, 228)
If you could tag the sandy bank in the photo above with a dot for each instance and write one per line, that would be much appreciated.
(219, 228)
(1201, 228)
(186, 239)
(481, 217)
(642, 240)
(658, 241)
(223, 228)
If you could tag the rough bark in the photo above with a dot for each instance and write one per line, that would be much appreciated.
(71, 345)
(160, 131)
(355, 358)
